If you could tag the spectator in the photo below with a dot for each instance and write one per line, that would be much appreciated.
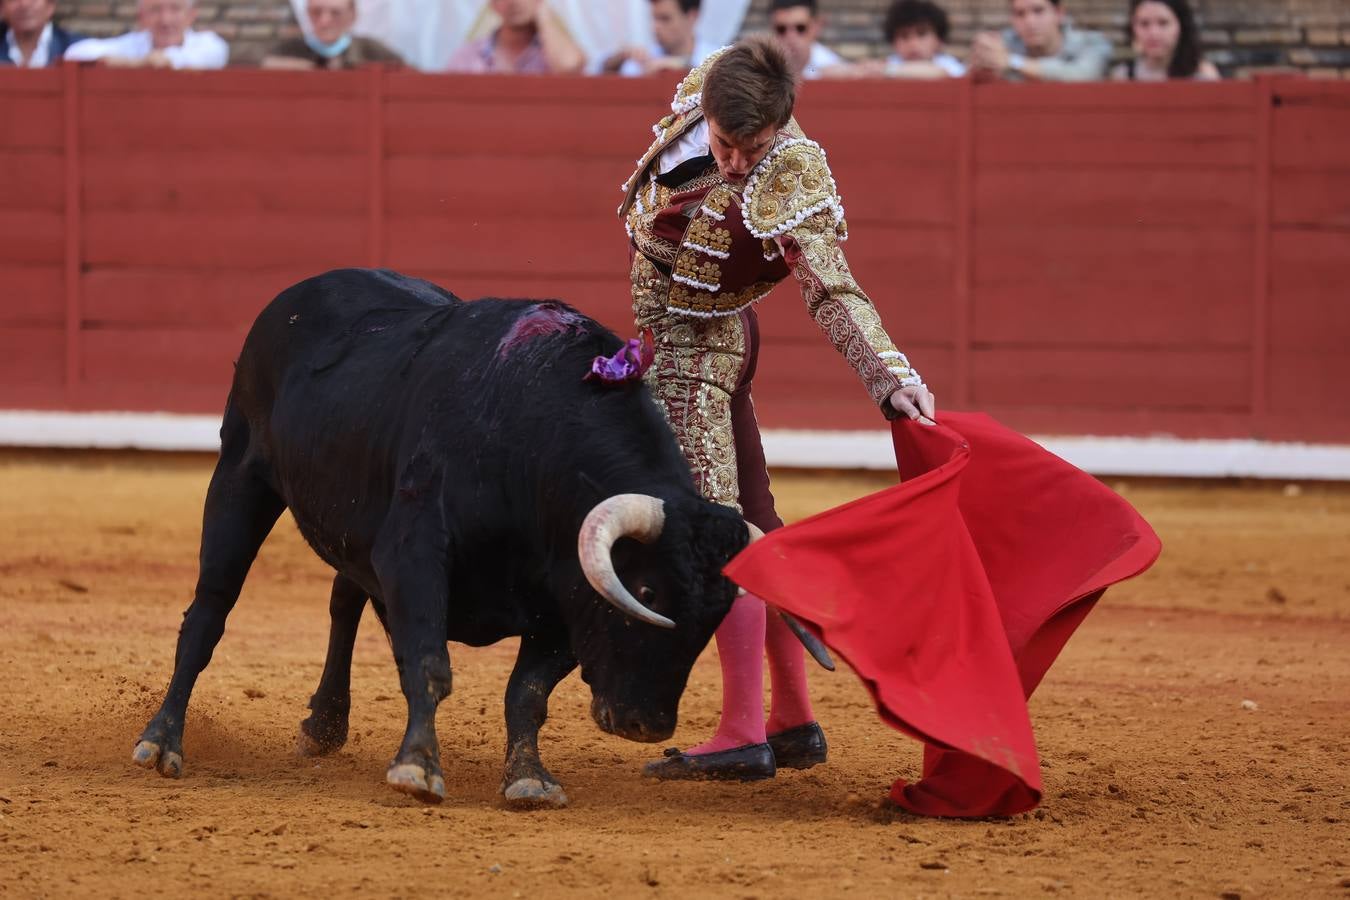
(797, 24)
(330, 43)
(1166, 44)
(165, 40)
(531, 40)
(917, 31)
(28, 36)
(673, 45)
(1041, 45)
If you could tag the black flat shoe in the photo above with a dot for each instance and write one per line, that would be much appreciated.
(750, 762)
(799, 748)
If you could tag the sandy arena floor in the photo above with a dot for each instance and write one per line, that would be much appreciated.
(1160, 781)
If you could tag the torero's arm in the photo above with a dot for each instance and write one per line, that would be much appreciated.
(846, 314)
(792, 203)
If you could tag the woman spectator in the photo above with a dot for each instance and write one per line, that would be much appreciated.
(1166, 44)
(531, 40)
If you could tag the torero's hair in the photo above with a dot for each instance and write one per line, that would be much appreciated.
(750, 87)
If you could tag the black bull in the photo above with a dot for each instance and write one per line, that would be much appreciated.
(444, 457)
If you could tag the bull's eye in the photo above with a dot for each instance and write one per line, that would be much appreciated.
(646, 595)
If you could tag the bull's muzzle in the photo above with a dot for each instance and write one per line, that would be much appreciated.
(642, 728)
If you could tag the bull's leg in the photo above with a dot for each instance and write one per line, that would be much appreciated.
(540, 665)
(325, 731)
(240, 512)
(413, 580)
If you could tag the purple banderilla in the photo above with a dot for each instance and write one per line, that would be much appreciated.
(629, 364)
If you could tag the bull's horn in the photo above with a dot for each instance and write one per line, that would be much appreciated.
(809, 640)
(623, 515)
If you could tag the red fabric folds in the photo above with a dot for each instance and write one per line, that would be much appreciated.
(952, 593)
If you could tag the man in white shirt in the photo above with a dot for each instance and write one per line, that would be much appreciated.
(796, 25)
(28, 38)
(165, 40)
(674, 44)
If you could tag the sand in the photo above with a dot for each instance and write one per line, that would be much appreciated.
(1195, 734)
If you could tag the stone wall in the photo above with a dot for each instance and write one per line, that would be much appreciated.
(1241, 36)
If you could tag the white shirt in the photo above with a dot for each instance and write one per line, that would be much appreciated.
(702, 50)
(944, 61)
(41, 52)
(199, 50)
(821, 57)
(693, 142)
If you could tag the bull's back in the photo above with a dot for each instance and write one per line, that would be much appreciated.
(321, 400)
(311, 318)
(347, 376)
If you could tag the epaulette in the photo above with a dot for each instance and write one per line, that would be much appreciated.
(789, 186)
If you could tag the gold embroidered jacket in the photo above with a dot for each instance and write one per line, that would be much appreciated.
(723, 246)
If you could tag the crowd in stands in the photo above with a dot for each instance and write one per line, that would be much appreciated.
(1040, 44)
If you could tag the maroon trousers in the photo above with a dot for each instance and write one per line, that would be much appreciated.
(752, 472)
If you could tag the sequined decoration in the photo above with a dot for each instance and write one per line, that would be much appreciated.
(697, 366)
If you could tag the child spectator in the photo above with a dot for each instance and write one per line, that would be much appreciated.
(1166, 44)
(917, 31)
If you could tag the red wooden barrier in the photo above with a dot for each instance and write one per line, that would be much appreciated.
(1107, 259)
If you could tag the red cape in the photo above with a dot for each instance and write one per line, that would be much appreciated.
(952, 593)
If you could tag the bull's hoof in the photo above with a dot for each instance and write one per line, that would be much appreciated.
(531, 793)
(407, 778)
(308, 744)
(148, 755)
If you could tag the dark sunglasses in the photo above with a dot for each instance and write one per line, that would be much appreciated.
(799, 27)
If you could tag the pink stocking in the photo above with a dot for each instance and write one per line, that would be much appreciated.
(740, 646)
(787, 673)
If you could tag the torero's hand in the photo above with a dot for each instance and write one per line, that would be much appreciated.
(917, 402)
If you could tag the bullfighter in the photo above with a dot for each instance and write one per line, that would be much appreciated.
(729, 200)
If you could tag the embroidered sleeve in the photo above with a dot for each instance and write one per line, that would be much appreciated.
(791, 200)
(843, 311)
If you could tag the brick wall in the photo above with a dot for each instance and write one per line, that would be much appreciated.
(1240, 36)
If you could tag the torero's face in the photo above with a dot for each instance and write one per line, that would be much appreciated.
(737, 156)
